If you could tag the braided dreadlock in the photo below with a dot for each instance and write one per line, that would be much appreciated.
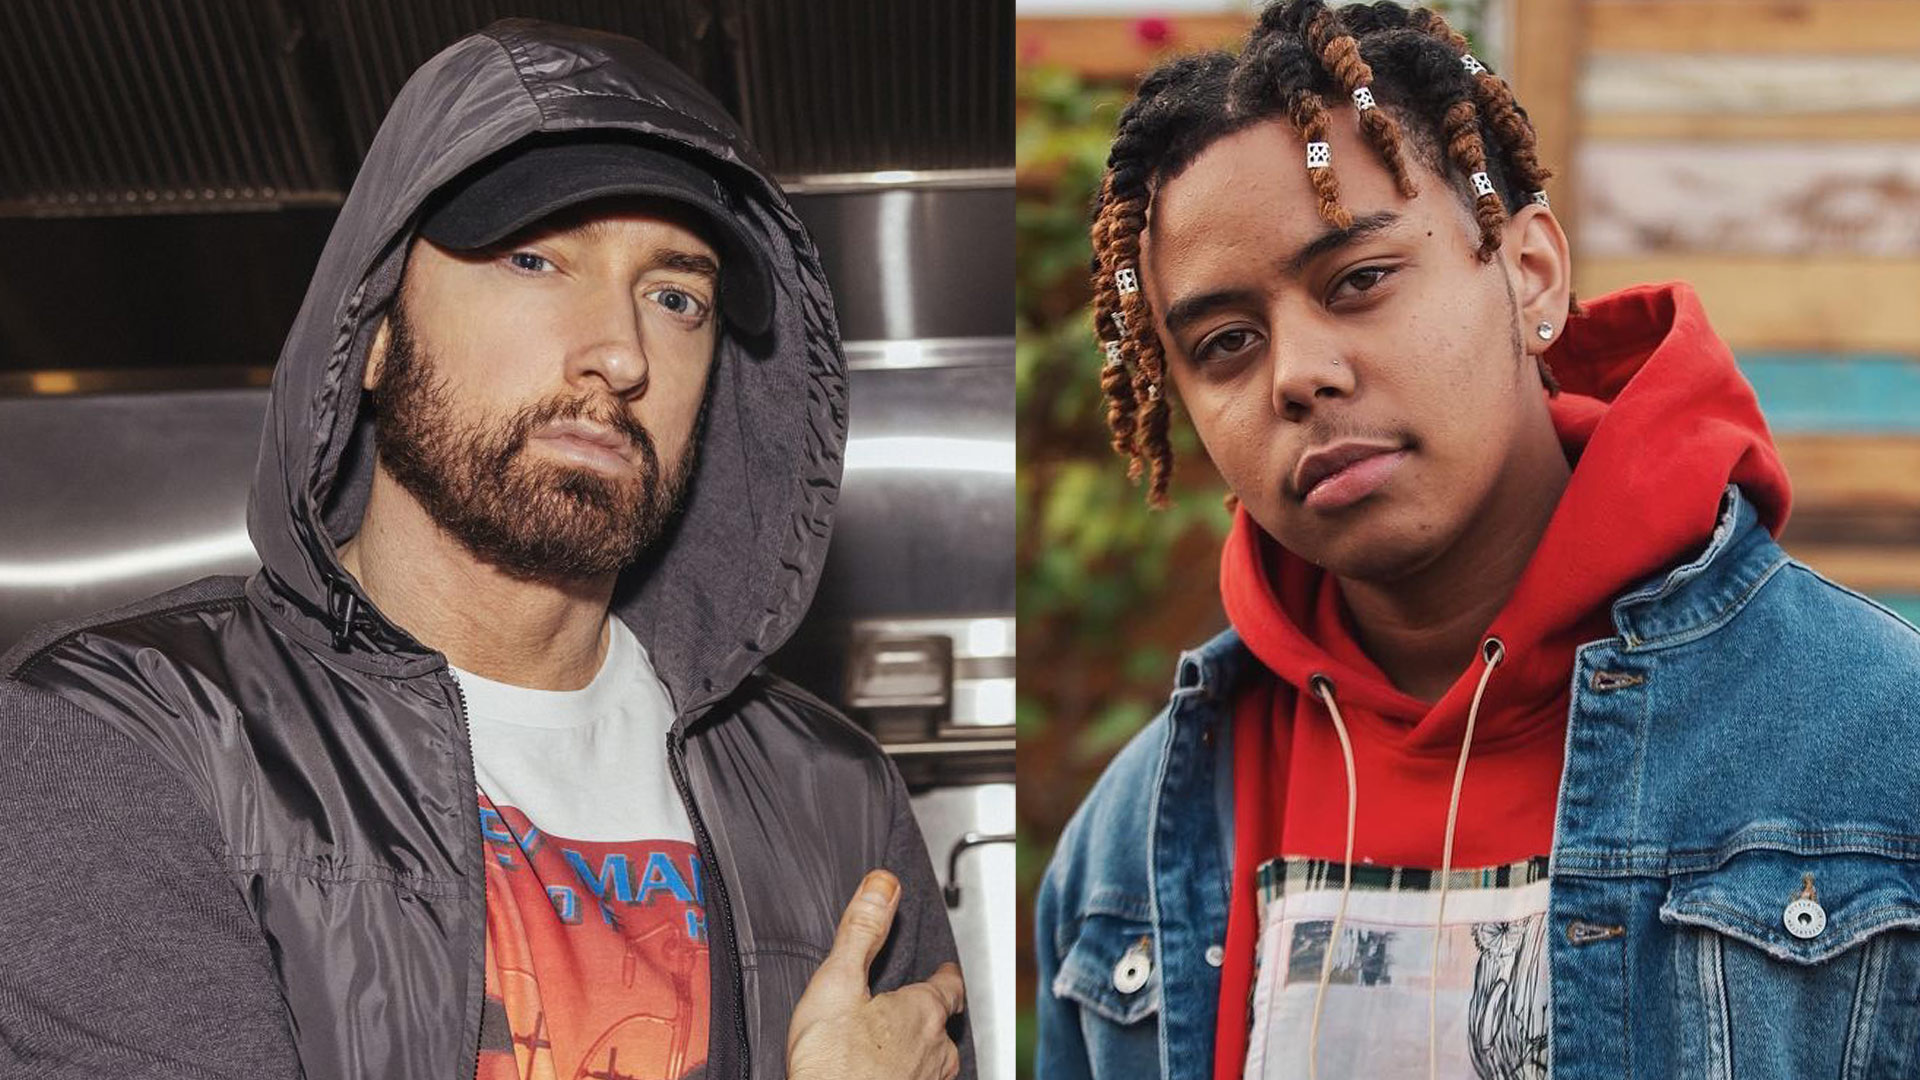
(1419, 92)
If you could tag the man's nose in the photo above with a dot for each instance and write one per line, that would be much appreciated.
(611, 344)
(1308, 368)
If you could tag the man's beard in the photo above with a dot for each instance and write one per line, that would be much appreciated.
(535, 519)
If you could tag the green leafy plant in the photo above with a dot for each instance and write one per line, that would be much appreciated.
(1110, 591)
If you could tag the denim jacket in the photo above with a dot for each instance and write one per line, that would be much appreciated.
(1735, 876)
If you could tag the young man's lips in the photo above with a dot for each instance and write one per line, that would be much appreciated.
(1355, 481)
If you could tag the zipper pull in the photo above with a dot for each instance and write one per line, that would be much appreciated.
(342, 606)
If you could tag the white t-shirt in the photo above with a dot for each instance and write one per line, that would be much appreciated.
(597, 953)
(589, 764)
(1493, 985)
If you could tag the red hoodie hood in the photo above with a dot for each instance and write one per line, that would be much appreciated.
(1657, 419)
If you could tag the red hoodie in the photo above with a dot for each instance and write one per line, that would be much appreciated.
(1657, 420)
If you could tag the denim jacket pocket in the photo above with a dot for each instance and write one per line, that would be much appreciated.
(1789, 964)
(1110, 969)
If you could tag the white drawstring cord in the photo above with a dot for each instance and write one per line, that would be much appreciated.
(1492, 651)
(1324, 687)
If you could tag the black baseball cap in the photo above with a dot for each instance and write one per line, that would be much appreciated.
(528, 182)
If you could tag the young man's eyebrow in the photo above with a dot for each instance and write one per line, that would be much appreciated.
(1335, 239)
(1190, 309)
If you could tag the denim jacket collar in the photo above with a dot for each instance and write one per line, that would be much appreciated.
(1694, 598)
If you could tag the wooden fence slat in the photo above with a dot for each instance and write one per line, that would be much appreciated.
(1870, 569)
(1747, 26)
(1750, 198)
(1829, 304)
(1852, 473)
(1849, 395)
(1544, 71)
(1784, 127)
(1695, 84)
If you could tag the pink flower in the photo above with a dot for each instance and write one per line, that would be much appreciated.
(1153, 31)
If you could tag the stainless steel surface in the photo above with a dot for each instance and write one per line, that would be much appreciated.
(819, 183)
(912, 263)
(966, 843)
(980, 693)
(925, 526)
(983, 923)
(923, 540)
(928, 353)
(106, 499)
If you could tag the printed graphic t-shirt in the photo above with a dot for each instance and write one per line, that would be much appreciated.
(1490, 1013)
(596, 927)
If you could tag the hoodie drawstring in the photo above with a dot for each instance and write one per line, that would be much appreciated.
(1324, 687)
(1493, 651)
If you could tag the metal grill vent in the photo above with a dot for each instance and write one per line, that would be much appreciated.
(142, 107)
(151, 106)
(833, 86)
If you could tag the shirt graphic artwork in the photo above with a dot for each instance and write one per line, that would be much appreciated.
(597, 949)
(596, 956)
(1492, 1015)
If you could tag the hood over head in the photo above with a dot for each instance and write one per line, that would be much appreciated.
(1656, 419)
(728, 582)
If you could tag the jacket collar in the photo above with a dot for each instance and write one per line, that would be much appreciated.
(1669, 607)
(1694, 598)
(1215, 670)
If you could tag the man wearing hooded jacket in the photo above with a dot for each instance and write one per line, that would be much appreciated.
(479, 772)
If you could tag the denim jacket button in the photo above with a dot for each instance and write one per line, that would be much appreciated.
(1130, 974)
(1805, 918)
(1216, 956)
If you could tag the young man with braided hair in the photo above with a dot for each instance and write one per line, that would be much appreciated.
(1528, 748)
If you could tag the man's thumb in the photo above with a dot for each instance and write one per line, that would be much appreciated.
(865, 923)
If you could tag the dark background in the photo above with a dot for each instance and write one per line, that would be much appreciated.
(169, 169)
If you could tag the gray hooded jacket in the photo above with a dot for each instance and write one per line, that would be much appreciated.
(242, 837)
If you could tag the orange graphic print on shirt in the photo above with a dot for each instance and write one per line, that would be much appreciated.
(596, 956)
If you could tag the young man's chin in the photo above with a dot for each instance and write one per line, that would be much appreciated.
(1358, 549)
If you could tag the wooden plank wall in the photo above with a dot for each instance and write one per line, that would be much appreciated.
(1768, 152)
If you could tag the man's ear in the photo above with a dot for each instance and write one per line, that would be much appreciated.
(376, 356)
(1541, 268)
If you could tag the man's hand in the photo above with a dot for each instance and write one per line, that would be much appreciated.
(840, 1031)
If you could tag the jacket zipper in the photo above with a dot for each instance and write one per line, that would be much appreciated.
(676, 746)
(466, 728)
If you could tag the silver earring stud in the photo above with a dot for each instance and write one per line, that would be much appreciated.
(1545, 330)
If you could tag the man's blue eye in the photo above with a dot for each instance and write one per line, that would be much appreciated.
(678, 301)
(527, 260)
